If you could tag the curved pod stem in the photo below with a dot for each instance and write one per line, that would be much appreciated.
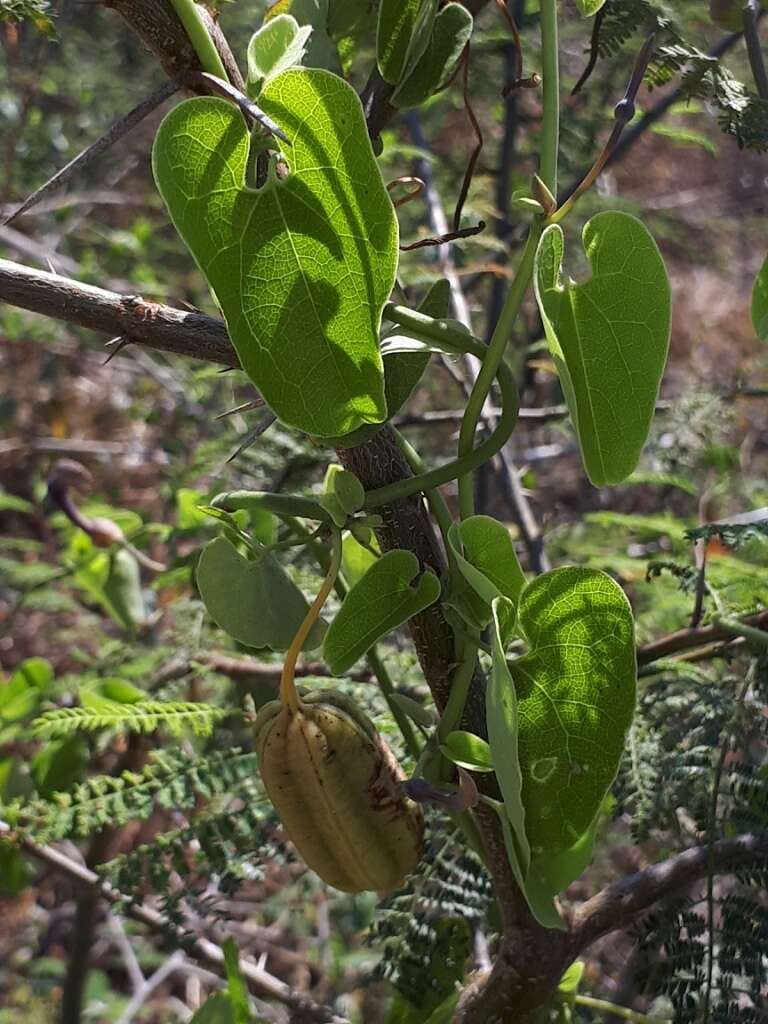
(288, 692)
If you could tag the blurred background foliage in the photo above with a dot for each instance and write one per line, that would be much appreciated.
(149, 430)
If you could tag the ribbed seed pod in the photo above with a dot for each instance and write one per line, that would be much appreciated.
(336, 787)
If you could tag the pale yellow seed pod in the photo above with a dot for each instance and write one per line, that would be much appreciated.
(337, 789)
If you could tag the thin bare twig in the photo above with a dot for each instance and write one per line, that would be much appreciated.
(630, 137)
(143, 993)
(120, 128)
(751, 20)
(258, 979)
(594, 52)
(473, 158)
(236, 96)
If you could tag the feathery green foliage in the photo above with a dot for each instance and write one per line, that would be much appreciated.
(145, 716)
(170, 779)
(741, 113)
(424, 929)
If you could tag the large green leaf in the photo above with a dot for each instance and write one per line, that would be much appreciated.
(486, 559)
(540, 901)
(608, 337)
(403, 369)
(760, 303)
(378, 603)
(575, 700)
(450, 34)
(503, 718)
(302, 266)
(252, 600)
(402, 35)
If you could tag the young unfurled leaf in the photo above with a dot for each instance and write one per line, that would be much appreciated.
(575, 700)
(278, 45)
(356, 558)
(217, 1009)
(122, 594)
(256, 602)
(486, 558)
(301, 267)
(571, 979)
(450, 34)
(760, 303)
(380, 602)
(322, 51)
(236, 986)
(589, 7)
(468, 751)
(608, 337)
(343, 494)
(402, 35)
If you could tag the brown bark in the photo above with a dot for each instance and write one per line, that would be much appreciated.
(128, 316)
(159, 28)
(695, 636)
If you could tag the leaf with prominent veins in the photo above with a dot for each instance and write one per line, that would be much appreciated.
(575, 700)
(301, 267)
(608, 337)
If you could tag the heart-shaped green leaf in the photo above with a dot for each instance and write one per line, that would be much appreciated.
(486, 558)
(278, 45)
(381, 601)
(301, 267)
(575, 701)
(608, 337)
(256, 602)
(760, 303)
(450, 34)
